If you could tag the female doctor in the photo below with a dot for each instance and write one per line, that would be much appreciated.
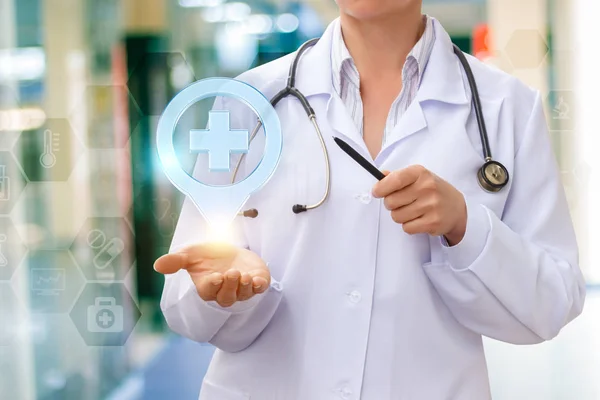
(384, 290)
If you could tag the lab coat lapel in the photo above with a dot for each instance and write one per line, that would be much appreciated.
(442, 82)
(411, 122)
(314, 79)
(340, 120)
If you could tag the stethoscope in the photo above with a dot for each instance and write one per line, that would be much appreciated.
(492, 176)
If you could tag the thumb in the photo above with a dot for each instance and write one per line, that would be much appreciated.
(190, 255)
(171, 263)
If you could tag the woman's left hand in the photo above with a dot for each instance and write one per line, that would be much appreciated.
(423, 203)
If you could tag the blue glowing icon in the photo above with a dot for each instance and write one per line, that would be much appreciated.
(219, 141)
(219, 204)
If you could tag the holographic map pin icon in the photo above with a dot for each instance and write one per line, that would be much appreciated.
(218, 204)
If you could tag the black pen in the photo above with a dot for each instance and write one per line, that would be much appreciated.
(359, 159)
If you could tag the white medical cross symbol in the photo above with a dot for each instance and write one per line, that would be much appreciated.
(219, 141)
(105, 318)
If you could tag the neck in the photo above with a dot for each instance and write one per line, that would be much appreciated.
(380, 46)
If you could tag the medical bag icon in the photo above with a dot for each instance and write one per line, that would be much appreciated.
(4, 184)
(105, 316)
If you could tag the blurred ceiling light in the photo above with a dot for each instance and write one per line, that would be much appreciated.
(214, 14)
(231, 12)
(258, 24)
(287, 23)
(181, 76)
(199, 3)
(21, 119)
(22, 64)
(235, 49)
(237, 11)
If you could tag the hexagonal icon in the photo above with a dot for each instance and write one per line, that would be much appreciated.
(9, 314)
(561, 104)
(106, 116)
(36, 222)
(49, 153)
(164, 209)
(12, 118)
(526, 48)
(576, 181)
(52, 279)
(12, 249)
(105, 314)
(103, 248)
(12, 182)
(171, 65)
(106, 168)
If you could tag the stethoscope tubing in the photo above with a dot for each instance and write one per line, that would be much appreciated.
(487, 153)
(291, 90)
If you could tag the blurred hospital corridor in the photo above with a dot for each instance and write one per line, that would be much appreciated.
(86, 208)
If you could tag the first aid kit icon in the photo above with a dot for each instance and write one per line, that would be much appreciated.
(105, 316)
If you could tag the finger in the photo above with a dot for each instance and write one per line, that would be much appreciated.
(245, 288)
(419, 225)
(228, 293)
(401, 198)
(408, 213)
(261, 279)
(396, 180)
(259, 285)
(209, 286)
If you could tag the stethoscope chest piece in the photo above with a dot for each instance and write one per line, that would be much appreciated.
(492, 176)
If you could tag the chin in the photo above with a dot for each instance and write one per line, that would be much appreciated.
(373, 9)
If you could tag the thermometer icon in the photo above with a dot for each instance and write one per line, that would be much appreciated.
(48, 158)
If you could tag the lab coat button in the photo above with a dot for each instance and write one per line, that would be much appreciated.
(345, 393)
(364, 198)
(354, 296)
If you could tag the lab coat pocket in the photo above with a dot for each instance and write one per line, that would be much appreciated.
(212, 391)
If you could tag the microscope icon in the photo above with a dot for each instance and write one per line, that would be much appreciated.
(561, 110)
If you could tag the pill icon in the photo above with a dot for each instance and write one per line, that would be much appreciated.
(109, 252)
(96, 238)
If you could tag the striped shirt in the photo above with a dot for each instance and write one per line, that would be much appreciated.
(346, 80)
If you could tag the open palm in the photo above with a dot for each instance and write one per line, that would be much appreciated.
(220, 272)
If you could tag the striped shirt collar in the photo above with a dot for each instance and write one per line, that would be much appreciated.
(340, 56)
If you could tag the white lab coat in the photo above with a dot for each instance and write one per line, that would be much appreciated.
(358, 309)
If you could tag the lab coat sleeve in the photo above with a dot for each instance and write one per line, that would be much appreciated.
(516, 278)
(230, 329)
